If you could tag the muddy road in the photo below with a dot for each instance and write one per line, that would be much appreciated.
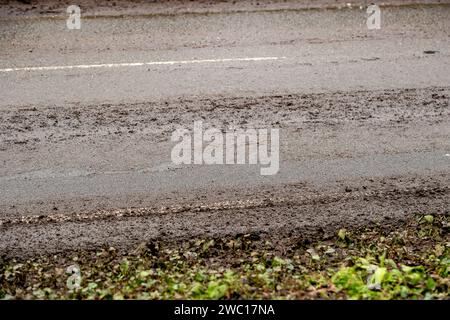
(87, 117)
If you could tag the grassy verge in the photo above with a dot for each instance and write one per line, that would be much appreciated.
(411, 262)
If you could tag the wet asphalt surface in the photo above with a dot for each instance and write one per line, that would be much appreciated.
(364, 121)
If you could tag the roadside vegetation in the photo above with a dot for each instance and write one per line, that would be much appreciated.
(408, 262)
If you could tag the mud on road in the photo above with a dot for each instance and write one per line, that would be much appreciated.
(52, 8)
(283, 216)
(364, 120)
(403, 124)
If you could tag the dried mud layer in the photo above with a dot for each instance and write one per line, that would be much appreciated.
(402, 123)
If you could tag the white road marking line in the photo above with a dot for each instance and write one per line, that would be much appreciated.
(447, 155)
(137, 64)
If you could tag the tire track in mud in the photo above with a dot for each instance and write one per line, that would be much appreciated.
(280, 214)
(278, 202)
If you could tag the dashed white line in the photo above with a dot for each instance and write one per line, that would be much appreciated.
(137, 64)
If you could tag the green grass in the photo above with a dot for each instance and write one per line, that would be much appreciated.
(411, 262)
